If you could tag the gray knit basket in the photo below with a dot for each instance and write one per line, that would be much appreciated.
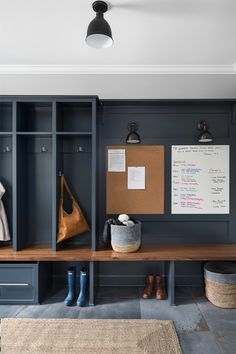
(126, 238)
(220, 283)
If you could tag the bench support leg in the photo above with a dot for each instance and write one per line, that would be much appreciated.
(171, 282)
(91, 283)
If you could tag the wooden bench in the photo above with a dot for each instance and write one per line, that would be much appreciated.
(170, 253)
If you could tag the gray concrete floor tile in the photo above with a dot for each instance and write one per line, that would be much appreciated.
(217, 318)
(7, 311)
(222, 323)
(202, 327)
(186, 316)
(199, 342)
(113, 309)
(226, 339)
(55, 310)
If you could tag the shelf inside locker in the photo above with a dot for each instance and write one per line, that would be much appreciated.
(34, 117)
(74, 117)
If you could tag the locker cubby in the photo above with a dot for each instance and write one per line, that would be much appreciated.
(34, 117)
(74, 160)
(5, 117)
(74, 117)
(6, 177)
(34, 190)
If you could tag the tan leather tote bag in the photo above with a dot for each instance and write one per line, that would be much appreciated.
(73, 224)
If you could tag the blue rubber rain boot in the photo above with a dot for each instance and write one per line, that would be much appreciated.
(71, 275)
(81, 301)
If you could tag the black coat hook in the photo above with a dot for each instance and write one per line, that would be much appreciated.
(44, 149)
(6, 149)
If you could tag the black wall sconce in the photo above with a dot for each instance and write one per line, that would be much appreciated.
(99, 33)
(205, 136)
(133, 137)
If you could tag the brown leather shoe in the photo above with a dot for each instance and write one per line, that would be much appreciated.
(149, 283)
(160, 288)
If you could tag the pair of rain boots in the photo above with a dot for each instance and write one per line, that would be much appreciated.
(71, 281)
(156, 283)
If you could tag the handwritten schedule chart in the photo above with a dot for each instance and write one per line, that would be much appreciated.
(200, 179)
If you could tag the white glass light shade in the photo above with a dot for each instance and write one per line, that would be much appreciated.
(99, 41)
(205, 140)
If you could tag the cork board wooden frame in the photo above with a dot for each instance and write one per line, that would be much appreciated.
(120, 199)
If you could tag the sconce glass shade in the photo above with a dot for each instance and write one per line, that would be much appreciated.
(99, 33)
(99, 41)
(205, 136)
(133, 137)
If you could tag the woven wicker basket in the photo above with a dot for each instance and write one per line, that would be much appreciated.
(220, 283)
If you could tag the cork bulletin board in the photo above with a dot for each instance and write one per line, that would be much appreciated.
(120, 199)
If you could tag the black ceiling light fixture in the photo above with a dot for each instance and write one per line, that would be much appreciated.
(133, 137)
(99, 33)
(205, 136)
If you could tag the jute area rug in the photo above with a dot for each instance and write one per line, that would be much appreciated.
(66, 336)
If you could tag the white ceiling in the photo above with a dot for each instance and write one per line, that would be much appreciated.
(147, 34)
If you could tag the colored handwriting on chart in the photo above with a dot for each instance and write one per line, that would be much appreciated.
(185, 176)
(200, 179)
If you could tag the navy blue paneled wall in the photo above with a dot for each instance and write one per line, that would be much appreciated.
(170, 123)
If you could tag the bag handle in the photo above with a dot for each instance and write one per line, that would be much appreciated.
(64, 184)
